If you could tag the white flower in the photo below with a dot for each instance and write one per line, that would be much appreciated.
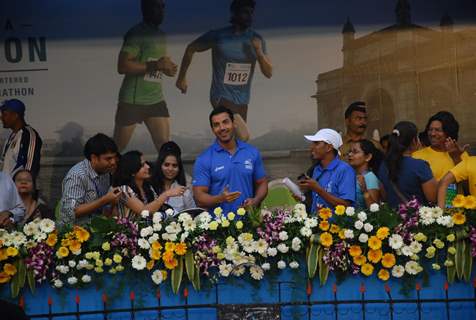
(412, 267)
(86, 278)
(266, 266)
(350, 211)
(363, 237)
(445, 221)
(72, 263)
(238, 271)
(283, 236)
(40, 236)
(184, 217)
(153, 238)
(296, 244)
(58, 283)
(306, 232)
(47, 225)
(426, 215)
(299, 212)
(398, 271)
(407, 251)
(368, 227)
(157, 218)
(437, 212)
(173, 227)
(31, 228)
(157, 226)
(358, 225)
(395, 241)
(415, 246)
(294, 265)
(82, 264)
(261, 247)
(146, 232)
(184, 236)
(281, 264)
(349, 234)
(362, 216)
(272, 252)
(143, 244)
(310, 222)
(145, 214)
(139, 262)
(374, 207)
(62, 269)
(157, 277)
(283, 248)
(256, 272)
(189, 225)
(169, 237)
(169, 212)
(72, 280)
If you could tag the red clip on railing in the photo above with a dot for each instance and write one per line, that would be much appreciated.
(50, 301)
(158, 293)
(334, 288)
(418, 287)
(185, 293)
(387, 288)
(446, 286)
(21, 302)
(132, 296)
(362, 288)
(309, 288)
(104, 298)
(77, 299)
(474, 283)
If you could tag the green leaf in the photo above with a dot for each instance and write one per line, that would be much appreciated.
(450, 271)
(459, 258)
(468, 263)
(323, 268)
(18, 280)
(30, 275)
(190, 265)
(176, 276)
(103, 225)
(196, 279)
(21, 273)
(312, 259)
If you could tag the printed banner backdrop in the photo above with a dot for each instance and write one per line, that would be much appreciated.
(407, 59)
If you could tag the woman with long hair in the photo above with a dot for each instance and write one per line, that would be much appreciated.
(402, 176)
(365, 158)
(35, 207)
(169, 173)
(132, 177)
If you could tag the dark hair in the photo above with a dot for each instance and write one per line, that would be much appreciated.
(170, 146)
(404, 133)
(384, 138)
(99, 144)
(128, 166)
(424, 139)
(369, 148)
(35, 190)
(238, 4)
(158, 176)
(218, 110)
(359, 106)
(147, 6)
(448, 122)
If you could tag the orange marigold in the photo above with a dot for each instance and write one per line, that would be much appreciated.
(324, 225)
(355, 251)
(374, 256)
(388, 260)
(9, 269)
(374, 243)
(326, 239)
(470, 202)
(52, 239)
(367, 269)
(458, 201)
(458, 218)
(181, 248)
(325, 213)
(4, 278)
(383, 275)
(360, 260)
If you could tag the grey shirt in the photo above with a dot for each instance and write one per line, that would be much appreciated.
(9, 198)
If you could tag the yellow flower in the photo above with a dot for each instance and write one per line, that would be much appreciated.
(117, 258)
(383, 275)
(334, 228)
(181, 248)
(388, 260)
(383, 232)
(99, 263)
(108, 261)
(99, 270)
(119, 268)
(75, 246)
(241, 211)
(62, 252)
(360, 260)
(231, 216)
(213, 225)
(164, 274)
(420, 237)
(3, 254)
(12, 251)
(470, 202)
(150, 265)
(459, 218)
(168, 255)
(239, 225)
(220, 256)
(326, 239)
(225, 223)
(374, 256)
(374, 243)
(106, 246)
(367, 269)
(4, 278)
(81, 234)
(340, 210)
(156, 245)
(9, 269)
(324, 225)
(325, 213)
(217, 211)
(171, 264)
(169, 246)
(342, 234)
(459, 201)
(155, 254)
(52, 239)
(451, 237)
(355, 251)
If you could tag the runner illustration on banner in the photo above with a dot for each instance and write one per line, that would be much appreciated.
(235, 50)
(143, 60)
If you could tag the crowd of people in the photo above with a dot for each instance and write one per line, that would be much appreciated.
(349, 171)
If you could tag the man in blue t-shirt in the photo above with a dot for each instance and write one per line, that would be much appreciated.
(235, 50)
(333, 180)
(230, 173)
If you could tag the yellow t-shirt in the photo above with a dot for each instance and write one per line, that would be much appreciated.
(466, 170)
(440, 162)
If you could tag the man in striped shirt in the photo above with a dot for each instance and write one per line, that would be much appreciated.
(22, 149)
(87, 186)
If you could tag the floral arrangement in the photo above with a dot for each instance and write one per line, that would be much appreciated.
(378, 241)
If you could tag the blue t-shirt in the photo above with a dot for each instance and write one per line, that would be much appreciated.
(371, 181)
(338, 179)
(413, 173)
(216, 168)
(233, 60)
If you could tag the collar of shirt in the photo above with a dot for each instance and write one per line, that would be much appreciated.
(331, 166)
(89, 169)
(218, 148)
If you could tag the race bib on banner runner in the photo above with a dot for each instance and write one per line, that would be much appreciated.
(237, 74)
(155, 76)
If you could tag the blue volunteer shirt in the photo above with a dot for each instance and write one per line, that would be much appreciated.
(233, 60)
(216, 168)
(338, 179)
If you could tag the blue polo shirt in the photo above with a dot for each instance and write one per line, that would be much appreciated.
(338, 178)
(216, 168)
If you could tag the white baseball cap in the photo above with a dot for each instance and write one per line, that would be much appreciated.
(329, 136)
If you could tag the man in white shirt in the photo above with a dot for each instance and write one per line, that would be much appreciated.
(11, 207)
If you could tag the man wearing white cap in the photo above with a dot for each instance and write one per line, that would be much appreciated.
(333, 180)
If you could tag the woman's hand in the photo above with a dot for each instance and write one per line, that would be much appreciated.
(176, 192)
(361, 182)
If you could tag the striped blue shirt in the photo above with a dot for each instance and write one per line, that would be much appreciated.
(81, 185)
(9, 199)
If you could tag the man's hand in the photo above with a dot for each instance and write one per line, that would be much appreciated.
(182, 85)
(230, 196)
(250, 202)
(453, 148)
(5, 219)
(167, 66)
(308, 184)
(257, 45)
(112, 196)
